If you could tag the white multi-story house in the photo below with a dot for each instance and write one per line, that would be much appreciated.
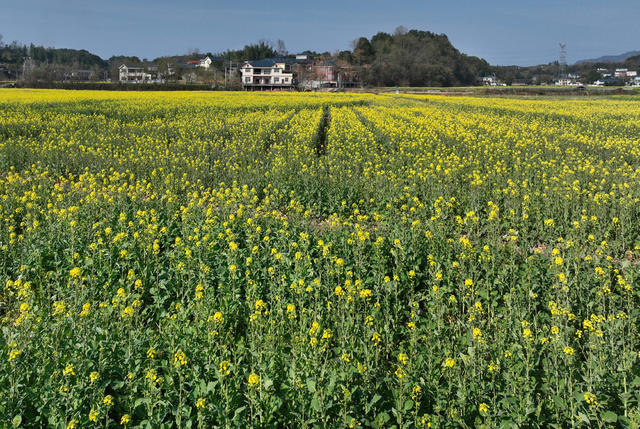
(565, 81)
(490, 80)
(267, 74)
(133, 73)
(621, 73)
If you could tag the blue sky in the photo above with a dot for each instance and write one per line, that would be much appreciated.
(503, 32)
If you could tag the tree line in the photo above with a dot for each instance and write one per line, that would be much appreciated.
(403, 58)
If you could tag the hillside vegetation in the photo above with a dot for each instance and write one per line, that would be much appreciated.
(413, 58)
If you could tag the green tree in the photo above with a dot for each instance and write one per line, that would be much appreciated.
(591, 76)
(362, 50)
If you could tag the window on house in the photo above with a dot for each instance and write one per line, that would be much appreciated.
(267, 71)
(276, 80)
(247, 70)
(286, 79)
(247, 79)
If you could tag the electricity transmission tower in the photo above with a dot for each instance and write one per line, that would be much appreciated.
(562, 64)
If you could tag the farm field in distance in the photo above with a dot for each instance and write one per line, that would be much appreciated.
(210, 259)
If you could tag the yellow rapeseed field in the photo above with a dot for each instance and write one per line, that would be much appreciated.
(209, 259)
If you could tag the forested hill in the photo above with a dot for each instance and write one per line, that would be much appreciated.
(413, 58)
(15, 54)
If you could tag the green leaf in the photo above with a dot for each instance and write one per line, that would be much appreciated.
(315, 404)
(17, 420)
(239, 412)
(375, 399)
(383, 418)
(311, 385)
(408, 404)
(267, 383)
(507, 424)
(584, 418)
(141, 401)
(559, 402)
(332, 383)
(609, 417)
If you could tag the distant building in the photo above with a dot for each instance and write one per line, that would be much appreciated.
(78, 75)
(621, 73)
(267, 74)
(6, 72)
(129, 73)
(569, 81)
(606, 81)
(205, 63)
(565, 81)
(490, 80)
(321, 74)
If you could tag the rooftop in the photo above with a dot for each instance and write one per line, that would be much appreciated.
(133, 66)
(268, 62)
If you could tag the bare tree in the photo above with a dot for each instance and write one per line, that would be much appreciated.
(95, 72)
(281, 49)
(400, 30)
(266, 42)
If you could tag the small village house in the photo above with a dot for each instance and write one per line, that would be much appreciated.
(490, 80)
(320, 74)
(267, 74)
(133, 73)
(205, 63)
(620, 73)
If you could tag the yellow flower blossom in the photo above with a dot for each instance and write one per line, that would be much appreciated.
(254, 379)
